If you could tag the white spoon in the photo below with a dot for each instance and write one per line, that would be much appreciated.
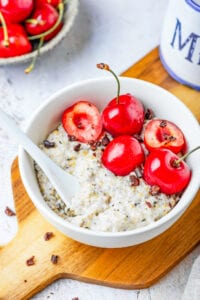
(65, 184)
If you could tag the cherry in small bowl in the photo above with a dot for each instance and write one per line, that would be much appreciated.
(70, 14)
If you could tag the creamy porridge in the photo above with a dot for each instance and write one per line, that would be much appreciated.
(105, 202)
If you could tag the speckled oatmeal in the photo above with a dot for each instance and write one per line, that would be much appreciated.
(105, 202)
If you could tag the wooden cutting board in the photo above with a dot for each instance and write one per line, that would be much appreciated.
(133, 267)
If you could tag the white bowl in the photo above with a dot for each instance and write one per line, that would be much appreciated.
(69, 17)
(100, 91)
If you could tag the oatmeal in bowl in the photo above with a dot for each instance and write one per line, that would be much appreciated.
(118, 204)
(105, 202)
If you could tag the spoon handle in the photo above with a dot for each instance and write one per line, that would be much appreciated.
(10, 126)
(52, 171)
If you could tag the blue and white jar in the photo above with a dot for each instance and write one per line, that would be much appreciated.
(180, 42)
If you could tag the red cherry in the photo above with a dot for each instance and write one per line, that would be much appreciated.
(163, 134)
(122, 155)
(16, 11)
(162, 168)
(42, 20)
(18, 41)
(124, 114)
(83, 121)
(125, 117)
(52, 2)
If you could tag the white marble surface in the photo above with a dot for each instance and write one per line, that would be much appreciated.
(113, 31)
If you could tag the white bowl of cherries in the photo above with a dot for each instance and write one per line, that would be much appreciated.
(33, 27)
(150, 128)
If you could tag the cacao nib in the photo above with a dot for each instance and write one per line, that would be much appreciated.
(72, 138)
(9, 212)
(163, 124)
(172, 138)
(134, 180)
(77, 147)
(48, 236)
(154, 190)
(94, 145)
(47, 144)
(148, 204)
(105, 140)
(30, 261)
(54, 259)
(149, 114)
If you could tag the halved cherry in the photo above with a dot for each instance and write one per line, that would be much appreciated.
(83, 121)
(163, 134)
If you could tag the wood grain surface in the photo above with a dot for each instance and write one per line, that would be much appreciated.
(132, 267)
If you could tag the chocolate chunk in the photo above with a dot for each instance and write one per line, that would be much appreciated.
(48, 236)
(149, 114)
(9, 212)
(154, 190)
(77, 147)
(134, 180)
(105, 140)
(30, 261)
(75, 298)
(54, 259)
(47, 144)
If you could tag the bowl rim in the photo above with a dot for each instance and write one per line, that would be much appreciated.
(42, 206)
(70, 18)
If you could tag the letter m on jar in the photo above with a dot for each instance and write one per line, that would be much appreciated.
(189, 43)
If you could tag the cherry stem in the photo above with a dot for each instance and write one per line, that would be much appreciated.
(31, 66)
(5, 30)
(106, 67)
(35, 22)
(42, 35)
(178, 161)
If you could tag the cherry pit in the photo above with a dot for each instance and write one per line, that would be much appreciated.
(27, 25)
(138, 139)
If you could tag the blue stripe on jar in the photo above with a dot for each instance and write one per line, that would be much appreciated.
(194, 5)
(176, 77)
